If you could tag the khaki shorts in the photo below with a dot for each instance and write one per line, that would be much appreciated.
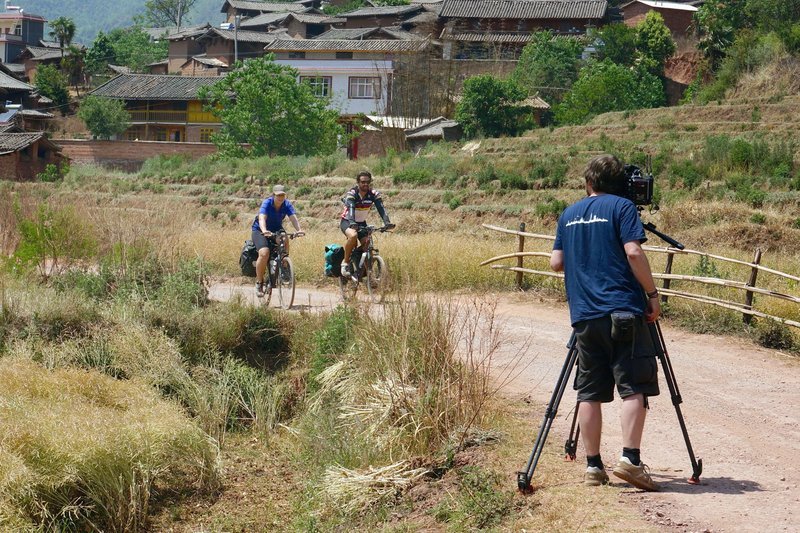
(603, 362)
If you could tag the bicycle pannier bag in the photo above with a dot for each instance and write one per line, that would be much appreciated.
(248, 258)
(334, 254)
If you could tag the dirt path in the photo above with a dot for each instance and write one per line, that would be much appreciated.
(740, 403)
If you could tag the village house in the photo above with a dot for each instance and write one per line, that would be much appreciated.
(677, 16)
(370, 17)
(224, 46)
(25, 155)
(163, 108)
(34, 57)
(500, 29)
(249, 9)
(18, 30)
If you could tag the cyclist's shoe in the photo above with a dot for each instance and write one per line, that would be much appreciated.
(595, 476)
(260, 289)
(345, 269)
(638, 476)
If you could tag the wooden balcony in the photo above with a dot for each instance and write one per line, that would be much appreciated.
(168, 116)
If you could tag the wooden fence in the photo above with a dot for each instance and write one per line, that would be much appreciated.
(749, 288)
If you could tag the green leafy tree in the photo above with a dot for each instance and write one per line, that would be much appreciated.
(617, 42)
(773, 15)
(716, 23)
(490, 106)
(133, 48)
(73, 65)
(654, 42)
(100, 54)
(548, 65)
(62, 30)
(261, 103)
(52, 84)
(166, 12)
(605, 86)
(104, 117)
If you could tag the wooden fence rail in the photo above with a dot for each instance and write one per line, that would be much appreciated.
(749, 287)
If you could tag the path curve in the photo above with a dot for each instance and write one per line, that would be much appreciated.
(740, 403)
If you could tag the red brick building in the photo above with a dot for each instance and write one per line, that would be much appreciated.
(677, 15)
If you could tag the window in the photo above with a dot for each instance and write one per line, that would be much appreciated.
(161, 135)
(344, 55)
(297, 55)
(205, 134)
(320, 85)
(365, 88)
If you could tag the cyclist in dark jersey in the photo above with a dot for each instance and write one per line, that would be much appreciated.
(357, 203)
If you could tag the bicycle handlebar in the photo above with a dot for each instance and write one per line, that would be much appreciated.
(283, 232)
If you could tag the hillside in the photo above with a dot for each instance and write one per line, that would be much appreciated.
(92, 16)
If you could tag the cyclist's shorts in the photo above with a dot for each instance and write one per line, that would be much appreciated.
(362, 228)
(262, 242)
(604, 362)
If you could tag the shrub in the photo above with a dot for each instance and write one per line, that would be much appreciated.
(758, 218)
(104, 117)
(773, 334)
(688, 172)
(551, 208)
(489, 107)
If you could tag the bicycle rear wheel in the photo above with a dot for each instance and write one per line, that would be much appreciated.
(377, 279)
(285, 281)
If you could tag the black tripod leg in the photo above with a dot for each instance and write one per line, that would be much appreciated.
(669, 376)
(524, 477)
(571, 445)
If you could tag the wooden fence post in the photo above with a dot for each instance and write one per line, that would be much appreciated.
(521, 249)
(667, 270)
(748, 296)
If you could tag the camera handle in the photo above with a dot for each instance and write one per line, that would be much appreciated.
(649, 226)
(570, 447)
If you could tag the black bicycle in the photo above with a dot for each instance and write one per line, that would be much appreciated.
(367, 264)
(281, 271)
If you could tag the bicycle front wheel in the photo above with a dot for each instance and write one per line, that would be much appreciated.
(377, 279)
(285, 282)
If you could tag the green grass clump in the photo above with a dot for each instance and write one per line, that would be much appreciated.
(480, 503)
(82, 451)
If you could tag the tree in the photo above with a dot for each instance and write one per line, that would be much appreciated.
(617, 42)
(654, 42)
(100, 54)
(52, 84)
(73, 65)
(166, 12)
(261, 103)
(133, 48)
(104, 117)
(716, 23)
(605, 86)
(548, 65)
(63, 31)
(489, 107)
(773, 15)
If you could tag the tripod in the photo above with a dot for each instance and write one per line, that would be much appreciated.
(571, 444)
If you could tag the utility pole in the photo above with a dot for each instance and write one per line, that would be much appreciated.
(236, 20)
(180, 13)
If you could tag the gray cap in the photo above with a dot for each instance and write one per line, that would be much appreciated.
(278, 189)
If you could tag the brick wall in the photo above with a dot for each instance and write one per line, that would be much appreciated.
(129, 155)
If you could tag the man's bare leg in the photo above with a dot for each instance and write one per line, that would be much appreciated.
(632, 417)
(590, 418)
(350, 244)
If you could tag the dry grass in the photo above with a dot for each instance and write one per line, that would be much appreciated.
(82, 450)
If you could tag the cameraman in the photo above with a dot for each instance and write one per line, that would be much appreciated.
(611, 292)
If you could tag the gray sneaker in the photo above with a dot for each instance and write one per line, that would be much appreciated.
(345, 269)
(595, 476)
(638, 476)
(260, 289)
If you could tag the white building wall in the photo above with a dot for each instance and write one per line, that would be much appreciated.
(340, 71)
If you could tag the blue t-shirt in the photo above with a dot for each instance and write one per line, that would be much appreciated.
(592, 234)
(274, 217)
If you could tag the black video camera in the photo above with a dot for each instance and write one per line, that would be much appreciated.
(638, 187)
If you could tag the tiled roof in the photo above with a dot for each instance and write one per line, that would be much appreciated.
(425, 17)
(384, 11)
(534, 102)
(245, 36)
(338, 45)
(316, 18)
(364, 33)
(210, 61)
(35, 113)
(174, 34)
(49, 44)
(524, 9)
(264, 19)
(11, 83)
(264, 7)
(119, 69)
(153, 87)
(487, 36)
(12, 142)
(15, 68)
(662, 5)
(432, 128)
(40, 53)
